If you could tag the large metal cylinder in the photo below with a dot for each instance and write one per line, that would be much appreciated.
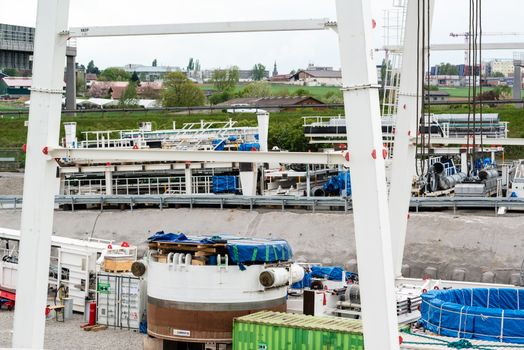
(447, 182)
(486, 174)
(192, 303)
(281, 276)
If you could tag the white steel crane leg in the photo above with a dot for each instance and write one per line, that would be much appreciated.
(40, 174)
(404, 162)
(370, 206)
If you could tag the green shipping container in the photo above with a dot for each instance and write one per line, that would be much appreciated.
(268, 330)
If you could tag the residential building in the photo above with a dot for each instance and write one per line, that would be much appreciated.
(273, 104)
(16, 87)
(503, 66)
(436, 96)
(445, 80)
(115, 89)
(317, 76)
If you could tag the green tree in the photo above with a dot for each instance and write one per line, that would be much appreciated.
(448, 69)
(333, 97)
(179, 91)
(225, 79)
(135, 78)
(11, 72)
(129, 96)
(257, 89)
(221, 97)
(502, 92)
(92, 69)
(191, 65)
(259, 72)
(497, 75)
(114, 74)
(301, 92)
(155, 62)
(197, 66)
(80, 83)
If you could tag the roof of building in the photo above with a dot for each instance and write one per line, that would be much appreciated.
(437, 93)
(150, 69)
(18, 82)
(91, 76)
(272, 101)
(322, 73)
(281, 77)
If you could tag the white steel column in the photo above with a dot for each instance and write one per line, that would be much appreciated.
(40, 174)
(464, 162)
(370, 207)
(189, 179)
(404, 162)
(109, 181)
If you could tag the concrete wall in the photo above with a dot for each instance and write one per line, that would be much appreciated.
(441, 241)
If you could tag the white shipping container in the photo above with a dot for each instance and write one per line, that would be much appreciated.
(120, 300)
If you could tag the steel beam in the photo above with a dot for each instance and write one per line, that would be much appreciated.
(201, 28)
(464, 46)
(104, 155)
(404, 159)
(40, 174)
(368, 175)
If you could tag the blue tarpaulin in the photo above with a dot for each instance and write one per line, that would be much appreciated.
(240, 250)
(332, 273)
(337, 184)
(219, 145)
(247, 147)
(225, 184)
(494, 314)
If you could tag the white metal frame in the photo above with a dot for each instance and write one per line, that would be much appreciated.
(369, 195)
(369, 191)
(403, 167)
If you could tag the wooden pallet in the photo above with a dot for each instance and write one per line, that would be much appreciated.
(117, 266)
(94, 328)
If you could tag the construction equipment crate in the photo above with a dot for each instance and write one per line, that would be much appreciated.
(268, 330)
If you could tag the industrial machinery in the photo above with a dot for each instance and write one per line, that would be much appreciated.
(196, 286)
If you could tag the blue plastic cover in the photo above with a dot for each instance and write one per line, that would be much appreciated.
(339, 183)
(249, 250)
(219, 145)
(332, 273)
(487, 314)
(225, 184)
(247, 147)
(240, 250)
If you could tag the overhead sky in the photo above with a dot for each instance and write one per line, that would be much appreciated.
(290, 50)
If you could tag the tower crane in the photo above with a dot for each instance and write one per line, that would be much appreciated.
(467, 38)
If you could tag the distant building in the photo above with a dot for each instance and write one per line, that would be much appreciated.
(317, 77)
(281, 79)
(245, 75)
(503, 66)
(150, 73)
(16, 47)
(445, 80)
(16, 87)
(436, 96)
(273, 104)
(115, 89)
(275, 70)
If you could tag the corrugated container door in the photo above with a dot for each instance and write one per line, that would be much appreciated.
(107, 300)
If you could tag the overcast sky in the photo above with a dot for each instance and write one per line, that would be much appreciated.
(290, 50)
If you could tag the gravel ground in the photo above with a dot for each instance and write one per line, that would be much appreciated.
(69, 335)
(11, 184)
